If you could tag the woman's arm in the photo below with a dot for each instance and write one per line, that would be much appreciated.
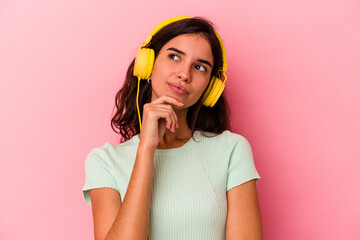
(131, 220)
(243, 219)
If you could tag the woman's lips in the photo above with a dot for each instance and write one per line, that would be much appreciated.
(177, 89)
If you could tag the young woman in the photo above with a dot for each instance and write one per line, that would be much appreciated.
(179, 172)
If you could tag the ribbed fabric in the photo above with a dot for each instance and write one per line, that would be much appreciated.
(188, 198)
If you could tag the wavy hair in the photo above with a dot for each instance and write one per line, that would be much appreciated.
(199, 117)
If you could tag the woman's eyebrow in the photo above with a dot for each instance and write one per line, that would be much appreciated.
(205, 62)
(176, 50)
(182, 53)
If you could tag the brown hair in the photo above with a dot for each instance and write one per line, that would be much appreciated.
(199, 117)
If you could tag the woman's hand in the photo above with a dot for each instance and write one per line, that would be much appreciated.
(157, 116)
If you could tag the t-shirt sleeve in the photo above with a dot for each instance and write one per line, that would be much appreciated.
(241, 165)
(97, 173)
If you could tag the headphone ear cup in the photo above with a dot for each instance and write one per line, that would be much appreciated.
(213, 92)
(144, 63)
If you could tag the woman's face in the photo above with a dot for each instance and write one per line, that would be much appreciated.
(185, 61)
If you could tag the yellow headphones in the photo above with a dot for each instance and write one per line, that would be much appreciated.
(144, 63)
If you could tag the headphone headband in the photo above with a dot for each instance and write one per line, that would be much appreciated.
(159, 27)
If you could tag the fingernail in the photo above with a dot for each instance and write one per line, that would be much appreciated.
(181, 103)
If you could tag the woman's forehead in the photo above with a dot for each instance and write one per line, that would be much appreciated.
(192, 44)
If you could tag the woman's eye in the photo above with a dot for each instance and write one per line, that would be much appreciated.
(201, 68)
(174, 56)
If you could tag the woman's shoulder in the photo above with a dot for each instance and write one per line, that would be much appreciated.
(227, 136)
(226, 140)
(109, 150)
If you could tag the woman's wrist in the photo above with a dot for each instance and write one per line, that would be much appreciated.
(145, 148)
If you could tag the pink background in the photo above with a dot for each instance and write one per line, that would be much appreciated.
(294, 88)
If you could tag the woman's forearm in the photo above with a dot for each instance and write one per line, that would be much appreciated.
(132, 221)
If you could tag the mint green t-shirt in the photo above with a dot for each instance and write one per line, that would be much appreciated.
(188, 198)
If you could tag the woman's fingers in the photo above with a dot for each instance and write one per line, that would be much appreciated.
(167, 108)
(165, 111)
(167, 99)
(158, 116)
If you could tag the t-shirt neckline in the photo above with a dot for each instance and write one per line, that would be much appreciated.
(173, 151)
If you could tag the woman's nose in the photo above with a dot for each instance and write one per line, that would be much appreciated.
(184, 73)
